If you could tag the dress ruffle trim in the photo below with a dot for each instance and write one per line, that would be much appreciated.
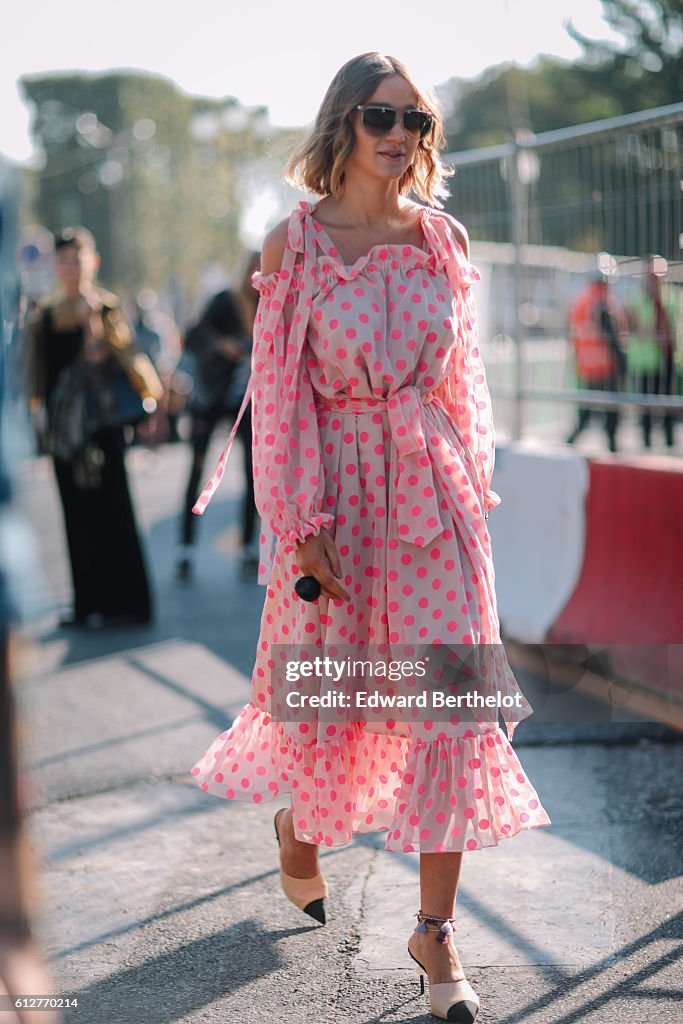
(266, 284)
(310, 525)
(329, 263)
(439, 795)
(463, 794)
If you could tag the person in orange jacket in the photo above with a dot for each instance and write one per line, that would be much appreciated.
(596, 321)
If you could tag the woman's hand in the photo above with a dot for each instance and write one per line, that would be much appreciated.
(318, 556)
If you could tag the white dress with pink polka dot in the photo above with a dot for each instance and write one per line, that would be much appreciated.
(372, 418)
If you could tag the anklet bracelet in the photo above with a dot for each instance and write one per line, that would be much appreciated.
(442, 926)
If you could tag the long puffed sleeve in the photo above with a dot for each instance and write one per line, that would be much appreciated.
(288, 471)
(464, 392)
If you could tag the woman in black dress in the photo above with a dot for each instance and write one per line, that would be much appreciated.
(82, 324)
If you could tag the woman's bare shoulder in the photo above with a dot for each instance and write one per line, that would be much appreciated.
(273, 249)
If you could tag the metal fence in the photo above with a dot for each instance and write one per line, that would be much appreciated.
(545, 213)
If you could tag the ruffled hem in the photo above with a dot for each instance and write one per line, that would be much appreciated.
(446, 794)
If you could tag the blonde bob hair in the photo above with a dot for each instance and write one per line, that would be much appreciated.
(317, 165)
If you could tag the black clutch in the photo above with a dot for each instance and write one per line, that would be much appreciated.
(308, 588)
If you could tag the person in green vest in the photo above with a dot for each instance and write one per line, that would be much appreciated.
(651, 351)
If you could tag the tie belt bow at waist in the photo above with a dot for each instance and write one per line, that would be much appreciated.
(417, 509)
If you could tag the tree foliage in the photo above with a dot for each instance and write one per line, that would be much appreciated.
(506, 98)
(619, 193)
(154, 173)
(643, 70)
(649, 59)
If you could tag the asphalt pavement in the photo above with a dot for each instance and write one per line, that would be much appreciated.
(160, 904)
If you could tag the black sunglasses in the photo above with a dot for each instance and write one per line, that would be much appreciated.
(379, 120)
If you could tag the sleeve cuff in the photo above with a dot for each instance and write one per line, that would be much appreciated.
(312, 524)
(491, 499)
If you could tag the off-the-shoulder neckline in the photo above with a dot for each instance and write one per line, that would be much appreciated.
(400, 248)
(394, 250)
(432, 255)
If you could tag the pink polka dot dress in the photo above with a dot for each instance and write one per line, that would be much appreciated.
(372, 418)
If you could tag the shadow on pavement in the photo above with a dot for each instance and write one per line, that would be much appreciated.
(629, 988)
(181, 981)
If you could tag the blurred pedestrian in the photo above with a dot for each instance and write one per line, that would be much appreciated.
(650, 352)
(373, 456)
(220, 347)
(597, 323)
(22, 973)
(88, 381)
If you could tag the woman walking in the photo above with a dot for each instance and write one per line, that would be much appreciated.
(373, 462)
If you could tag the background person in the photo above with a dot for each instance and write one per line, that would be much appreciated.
(78, 327)
(596, 324)
(219, 345)
(650, 352)
(21, 971)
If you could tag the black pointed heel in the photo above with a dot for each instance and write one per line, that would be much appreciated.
(308, 894)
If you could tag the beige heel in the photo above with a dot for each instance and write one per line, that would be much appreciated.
(308, 894)
(454, 1001)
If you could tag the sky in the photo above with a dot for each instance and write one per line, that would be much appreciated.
(268, 52)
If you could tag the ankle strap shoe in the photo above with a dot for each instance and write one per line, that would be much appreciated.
(455, 1001)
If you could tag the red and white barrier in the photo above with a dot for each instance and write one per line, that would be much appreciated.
(629, 596)
(593, 556)
(631, 586)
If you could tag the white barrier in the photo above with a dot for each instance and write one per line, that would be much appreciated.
(538, 535)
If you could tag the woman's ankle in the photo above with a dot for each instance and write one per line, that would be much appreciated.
(440, 959)
(297, 859)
